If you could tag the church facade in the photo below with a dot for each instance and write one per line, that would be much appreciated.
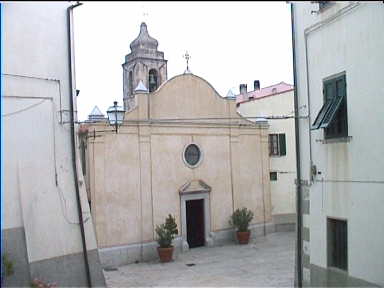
(182, 150)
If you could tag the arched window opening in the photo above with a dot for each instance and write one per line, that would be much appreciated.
(130, 81)
(152, 80)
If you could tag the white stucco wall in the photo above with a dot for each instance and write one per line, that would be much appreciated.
(283, 190)
(351, 181)
(39, 188)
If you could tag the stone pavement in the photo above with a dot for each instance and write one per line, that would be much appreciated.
(264, 262)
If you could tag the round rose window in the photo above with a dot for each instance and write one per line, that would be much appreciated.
(192, 155)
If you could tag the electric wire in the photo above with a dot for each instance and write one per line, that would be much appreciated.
(24, 109)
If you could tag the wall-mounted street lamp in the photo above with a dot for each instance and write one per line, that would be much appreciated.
(115, 115)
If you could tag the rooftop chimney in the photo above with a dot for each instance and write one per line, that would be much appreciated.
(256, 85)
(243, 88)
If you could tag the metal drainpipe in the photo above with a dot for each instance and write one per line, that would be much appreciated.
(73, 143)
(298, 175)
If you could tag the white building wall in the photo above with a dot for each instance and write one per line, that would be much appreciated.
(347, 36)
(283, 191)
(39, 189)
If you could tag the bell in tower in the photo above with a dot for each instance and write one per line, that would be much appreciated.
(145, 63)
(152, 80)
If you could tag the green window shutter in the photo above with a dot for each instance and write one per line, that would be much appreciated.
(320, 116)
(282, 145)
(330, 90)
(338, 100)
(340, 87)
(331, 114)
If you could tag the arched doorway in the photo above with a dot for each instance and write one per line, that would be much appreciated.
(195, 214)
(195, 222)
(152, 80)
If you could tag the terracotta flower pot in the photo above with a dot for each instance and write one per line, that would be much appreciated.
(243, 237)
(165, 254)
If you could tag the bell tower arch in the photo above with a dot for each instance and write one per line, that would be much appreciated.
(144, 63)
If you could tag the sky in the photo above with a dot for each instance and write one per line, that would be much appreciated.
(230, 43)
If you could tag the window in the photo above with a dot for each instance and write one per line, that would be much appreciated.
(277, 145)
(152, 80)
(333, 115)
(273, 176)
(130, 83)
(323, 5)
(192, 155)
(337, 246)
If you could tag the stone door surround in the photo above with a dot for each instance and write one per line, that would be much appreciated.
(195, 190)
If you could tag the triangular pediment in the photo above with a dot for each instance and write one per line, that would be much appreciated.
(195, 186)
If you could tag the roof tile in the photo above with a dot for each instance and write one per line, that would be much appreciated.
(264, 92)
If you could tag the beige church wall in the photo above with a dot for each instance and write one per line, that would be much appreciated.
(94, 171)
(96, 178)
(146, 200)
(168, 175)
(251, 188)
(215, 170)
(187, 96)
(124, 216)
(138, 172)
(214, 144)
(116, 200)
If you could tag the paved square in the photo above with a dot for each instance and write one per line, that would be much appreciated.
(265, 262)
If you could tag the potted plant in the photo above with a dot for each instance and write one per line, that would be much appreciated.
(240, 219)
(166, 232)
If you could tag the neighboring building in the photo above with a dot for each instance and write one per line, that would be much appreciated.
(41, 235)
(177, 153)
(339, 59)
(275, 103)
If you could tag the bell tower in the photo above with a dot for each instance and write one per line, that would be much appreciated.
(144, 63)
